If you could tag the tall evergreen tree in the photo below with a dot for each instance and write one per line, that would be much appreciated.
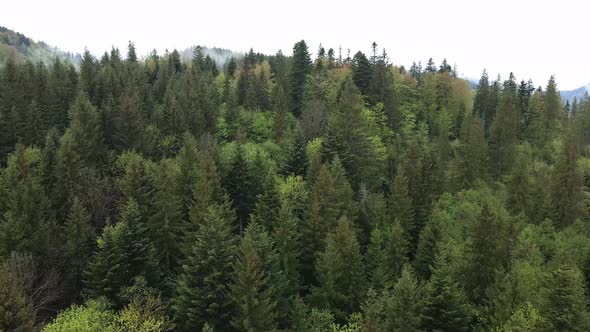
(362, 72)
(386, 255)
(404, 307)
(470, 163)
(203, 286)
(252, 288)
(566, 186)
(341, 273)
(300, 67)
(566, 308)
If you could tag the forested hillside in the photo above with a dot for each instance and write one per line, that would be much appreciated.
(18, 46)
(281, 193)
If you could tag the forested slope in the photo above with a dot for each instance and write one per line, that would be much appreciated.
(281, 193)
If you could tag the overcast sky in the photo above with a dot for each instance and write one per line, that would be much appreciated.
(534, 39)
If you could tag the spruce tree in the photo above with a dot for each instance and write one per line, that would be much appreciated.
(404, 306)
(503, 135)
(401, 208)
(341, 273)
(566, 187)
(239, 184)
(202, 290)
(252, 288)
(348, 137)
(300, 66)
(79, 243)
(362, 72)
(566, 308)
(445, 307)
(470, 163)
(268, 205)
(386, 255)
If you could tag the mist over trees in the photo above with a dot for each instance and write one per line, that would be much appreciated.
(306, 192)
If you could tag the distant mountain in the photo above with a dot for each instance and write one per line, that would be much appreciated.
(22, 47)
(579, 93)
(219, 55)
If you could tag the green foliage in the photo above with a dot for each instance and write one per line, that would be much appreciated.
(566, 308)
(404, 307)
(202, 290)
(386, 255)
(341, 273)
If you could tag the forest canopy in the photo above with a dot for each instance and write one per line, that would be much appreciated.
(296, 193)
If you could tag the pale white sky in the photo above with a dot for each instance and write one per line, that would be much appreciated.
(535, 39)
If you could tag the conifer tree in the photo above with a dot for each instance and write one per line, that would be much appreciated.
(445, 306)
(348, 137)
(428, 248)
(297, 162)
(124, 253)
(386, 255)
(362, 72)
(341, 273)
(252, 288)
(503, 135)
(239, 184)
(86, 129)
(487, 251)
(566, 186)
(166, 225)
(553, 111)
(470, 163)
(202, 290)
(566, 308)
(401, 208)
(268, 205)
(404, 306)
(300, 66)
(79, 239)
(328, 205)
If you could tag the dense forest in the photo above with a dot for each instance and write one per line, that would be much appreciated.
(296, 193)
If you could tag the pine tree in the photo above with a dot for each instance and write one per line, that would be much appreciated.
(300, 67)
(341, 273)
(566, 308)
(252, 288)
(404, 307)
(386, 255)
(131, 55)
(202, 288)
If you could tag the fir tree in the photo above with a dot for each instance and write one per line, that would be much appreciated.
(203, 286)
(362, 72)
(386, 255)
(300, 67)
(445, 306)
(404, 307)
(470, 163)
(252, 288)
(566, 308)
(340, 273)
